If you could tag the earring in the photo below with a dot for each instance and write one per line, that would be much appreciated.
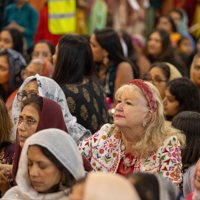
(144, 124)
(105, 60)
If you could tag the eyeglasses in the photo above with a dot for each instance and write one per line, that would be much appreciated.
(156, 80)
(21, 96)
(29, 121)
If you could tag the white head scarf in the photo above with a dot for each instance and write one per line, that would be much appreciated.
(62, 146)
(105, 186)
(47, 87)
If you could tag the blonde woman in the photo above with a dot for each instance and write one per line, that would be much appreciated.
(139, 140)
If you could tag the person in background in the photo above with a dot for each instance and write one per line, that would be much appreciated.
(139, 140)
(47, 87)
(43, 49)
(153, 187)
(184, 49)
(180, 95)
(195, 71)
(11, 65)
(76, 75)
(166, 23)
(7, 148)
(113, 68)
(188, 123)
(193, 180)
(13, 39)
(180, 18)
(43, 32)
(38, 66)
(23, 17)
(43, 173)
(159, 49)
(160, 73)
(106, 186)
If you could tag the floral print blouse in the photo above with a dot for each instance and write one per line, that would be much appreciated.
(105, 153)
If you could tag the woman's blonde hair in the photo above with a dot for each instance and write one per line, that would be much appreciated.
(5, 123)
(156, 131)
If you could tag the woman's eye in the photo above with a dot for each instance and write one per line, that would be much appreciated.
(42, 166)
(128, 103)
(30, 163)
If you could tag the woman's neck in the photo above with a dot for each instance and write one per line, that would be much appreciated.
(130, 138)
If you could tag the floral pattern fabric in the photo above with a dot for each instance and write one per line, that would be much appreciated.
(87, 101)
(104, 152)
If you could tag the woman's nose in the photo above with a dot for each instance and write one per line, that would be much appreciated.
(33, 170)
(165, 101)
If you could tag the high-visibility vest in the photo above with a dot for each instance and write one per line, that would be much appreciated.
(61, 16)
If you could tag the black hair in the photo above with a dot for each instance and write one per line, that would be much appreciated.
(68, 180)
(110, 41)
(171, 21)
(17, 37)
(166, 45)
(36, 101)
(15, 79)
(48, 43)
(74, 60)
(177, 10)
(189, 123)
(185, 92)
(164, 67)
(146, 185)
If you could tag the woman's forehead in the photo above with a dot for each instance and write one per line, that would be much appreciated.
(130, 93)
(32, 85)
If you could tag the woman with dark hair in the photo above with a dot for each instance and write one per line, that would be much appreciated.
(11, 65)
(7, 147)
(43, 49)
(153, 187)
(159, 49)
(160, 73)
(188, 123)
(181, 95)
(75, 73)
(12, 38)
(113, 68)
(166, 23)
(43, 172)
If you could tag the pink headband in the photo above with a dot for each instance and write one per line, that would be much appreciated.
(147, 92)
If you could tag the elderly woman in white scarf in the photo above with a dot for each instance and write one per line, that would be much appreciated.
(44, 173)
(46, 87)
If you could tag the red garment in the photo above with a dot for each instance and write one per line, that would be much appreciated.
(189, 197)
(123, 168)
(43, 30)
